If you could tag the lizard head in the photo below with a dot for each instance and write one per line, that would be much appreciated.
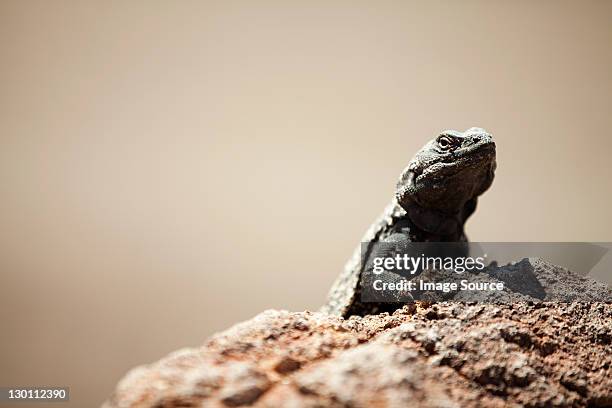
(448, 172)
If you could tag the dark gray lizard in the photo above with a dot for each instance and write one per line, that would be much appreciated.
(435, 195)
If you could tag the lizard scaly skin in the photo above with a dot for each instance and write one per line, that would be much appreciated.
(435, 195)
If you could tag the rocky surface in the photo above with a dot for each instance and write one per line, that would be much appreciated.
(521, 347)
(531, 279)
(426, 355)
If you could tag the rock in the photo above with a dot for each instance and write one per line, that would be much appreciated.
(515, 348)
(424, 355)
(520, 278)
(531, 279)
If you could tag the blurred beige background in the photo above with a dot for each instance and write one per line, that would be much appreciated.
(170, 168)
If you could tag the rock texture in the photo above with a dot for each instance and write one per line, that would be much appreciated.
(424, 355)
(531, 279)
(528, 349)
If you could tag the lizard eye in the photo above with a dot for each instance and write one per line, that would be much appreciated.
(445, 142)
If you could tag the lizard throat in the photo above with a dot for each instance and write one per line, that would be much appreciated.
(435, 222)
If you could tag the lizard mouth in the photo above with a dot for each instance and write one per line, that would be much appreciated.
(456, 162)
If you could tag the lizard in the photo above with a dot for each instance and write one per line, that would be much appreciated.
(435, 195)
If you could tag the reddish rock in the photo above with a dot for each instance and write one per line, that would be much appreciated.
(440, 355)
